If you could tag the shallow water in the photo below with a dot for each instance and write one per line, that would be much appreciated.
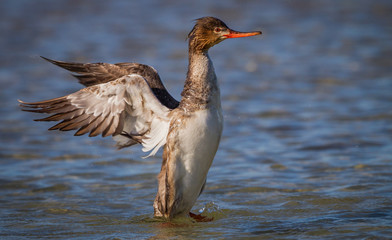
(306, 151)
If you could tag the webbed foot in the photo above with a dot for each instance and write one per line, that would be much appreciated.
(200, 218)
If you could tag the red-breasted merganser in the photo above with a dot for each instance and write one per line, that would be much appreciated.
(129, 102)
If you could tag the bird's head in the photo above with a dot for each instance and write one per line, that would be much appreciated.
(209, 31)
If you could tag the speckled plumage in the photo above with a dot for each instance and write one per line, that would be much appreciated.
(129, 102)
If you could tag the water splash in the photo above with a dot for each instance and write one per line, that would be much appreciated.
(212, 210)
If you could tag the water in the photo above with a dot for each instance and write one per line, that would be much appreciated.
(306, 151)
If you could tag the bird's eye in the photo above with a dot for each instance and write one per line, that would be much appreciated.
(217, 29)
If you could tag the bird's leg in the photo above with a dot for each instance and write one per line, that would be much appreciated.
(200, 218)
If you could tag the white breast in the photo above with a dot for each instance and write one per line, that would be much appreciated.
(198, 143)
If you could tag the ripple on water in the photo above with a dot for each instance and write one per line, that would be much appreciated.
(54, 188)
(76, 156)
(306, 149)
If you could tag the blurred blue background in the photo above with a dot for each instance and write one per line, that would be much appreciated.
(306, 150)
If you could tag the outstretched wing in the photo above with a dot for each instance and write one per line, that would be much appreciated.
(90, 74)
(125, 108)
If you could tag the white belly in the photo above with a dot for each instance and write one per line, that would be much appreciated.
(198, 142)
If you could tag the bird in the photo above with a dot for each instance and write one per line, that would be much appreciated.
(129, 102)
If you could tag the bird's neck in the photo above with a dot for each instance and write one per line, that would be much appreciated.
(201, 86)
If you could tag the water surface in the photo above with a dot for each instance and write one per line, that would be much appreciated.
(306, 151)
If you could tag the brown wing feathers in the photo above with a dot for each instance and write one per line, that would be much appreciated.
(90, 74)
(88, 111)
(73, 117)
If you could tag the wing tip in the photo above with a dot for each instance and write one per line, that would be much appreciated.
(50, 60)
(55, 62)
(47, 59)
